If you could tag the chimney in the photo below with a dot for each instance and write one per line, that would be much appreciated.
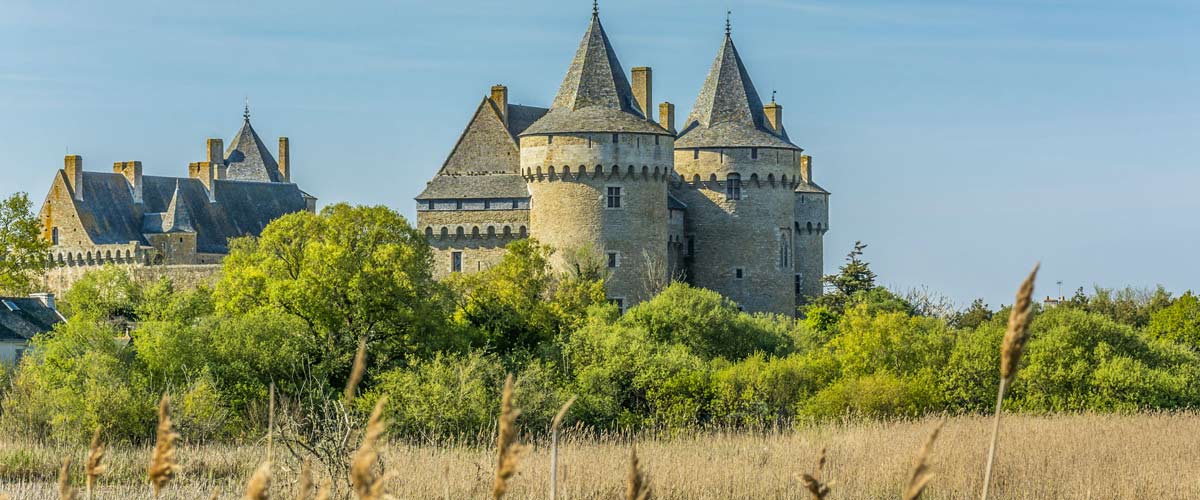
(132, 170)
(208, 173)
(500, 99)
(806, 168)
(216, 148)
(73, 166)
(285, 160)
(666, 116)
(46, 298)
(774, 113)
(643, 89)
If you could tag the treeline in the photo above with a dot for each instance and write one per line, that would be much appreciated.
(292, 306)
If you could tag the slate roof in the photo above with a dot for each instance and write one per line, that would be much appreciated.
(249, 159)
(30, 317)
(810, 187)
(242, 208)
(485, 161)
(673, 203)
(728, 111)
(595, 95)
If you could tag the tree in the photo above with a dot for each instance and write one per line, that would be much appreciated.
(22, 248)
(853, 278)
(350, 273)
(977, 314)
(1179, 322)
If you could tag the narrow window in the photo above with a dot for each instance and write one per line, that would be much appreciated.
(614, 197)
(695, 154)
(738, 273)
(614, 260)
(458, 205)
(616, 137)
(798, 284)
(753, 153)
(785, 247)
(549, 139)
(514, 204)
(691, 246)
(733, 187)
(656, 140)
(620, 304)
(54, 236)
(456, 262)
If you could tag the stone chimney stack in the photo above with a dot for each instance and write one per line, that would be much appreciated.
(500, 99)
(132, 170)
(73, 167)
(643, 89)
(806, 168)
(285, 160)
(46, 298)
(774, 112)
(666, 116)
(216, 151)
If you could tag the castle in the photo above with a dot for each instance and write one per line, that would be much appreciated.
(147, 222)
(727, 202)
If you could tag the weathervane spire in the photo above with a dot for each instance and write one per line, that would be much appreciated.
(728, 25)
(246, 109)
(595, 8)
(772, 96)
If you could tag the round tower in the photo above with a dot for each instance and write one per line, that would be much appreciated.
(596, 168)
(812, 222)
(740, 172)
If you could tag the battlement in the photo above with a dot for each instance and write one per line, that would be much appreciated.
(599, 172)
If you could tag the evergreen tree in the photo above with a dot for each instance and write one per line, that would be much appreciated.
(853, 278)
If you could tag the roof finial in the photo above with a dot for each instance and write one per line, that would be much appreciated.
(595, 8)
(772, 96)
(728, 26)
(246, 109)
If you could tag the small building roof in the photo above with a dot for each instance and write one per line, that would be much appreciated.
(595, 95)
(479, 186)
(728, 112)
(248, 159)
(21, 318)
(810, 187)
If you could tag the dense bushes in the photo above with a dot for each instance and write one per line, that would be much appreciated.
(292, 305)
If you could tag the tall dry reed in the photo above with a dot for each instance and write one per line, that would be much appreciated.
(637, 485)
(259, 487)
(508, 451)
(812, 482)
(1010, 357)
(304, 483)
(554, 425)
(65, 491)
(93, 466)
(162, 462)
(367, 485)
(921, 476)
(357, 370)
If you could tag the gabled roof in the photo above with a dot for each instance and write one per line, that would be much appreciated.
(728, 111)
(595, 95)
(810, 187)
(249, 159)
(485, 161)
(110, 216)
(23, 317)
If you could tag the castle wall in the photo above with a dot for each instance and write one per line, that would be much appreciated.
(812, 222)
(569, 177)
(58, 212)
(754, 234)
(480, 236)
(59, 279)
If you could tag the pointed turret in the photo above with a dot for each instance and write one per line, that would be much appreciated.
(728, 111)
(248, 159)
(595, 95)
(177, 219)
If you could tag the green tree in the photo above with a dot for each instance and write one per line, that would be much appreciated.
(977, 314)
(350, 272)
(853, 278)
(22, 248)
(108, 294)
(1178, 322)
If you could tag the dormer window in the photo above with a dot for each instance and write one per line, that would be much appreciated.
(753, 153)
(616, 137)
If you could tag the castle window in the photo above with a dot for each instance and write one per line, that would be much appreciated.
(550, 139)
(614, 260)
(785, 247)
(733, 187)
(691, 249)
(753, 153)
(456, 262)
(739, 273)
(54, 236)
(695, 154)
(614, 197)
(487, 204)
(458, 205)
(656, 138)
(616, 137)
(798, 292)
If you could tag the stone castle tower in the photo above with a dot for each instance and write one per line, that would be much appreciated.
(728, 203)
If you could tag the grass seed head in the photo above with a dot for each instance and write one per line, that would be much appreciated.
(366, 484)
(65, 491)
(1018, 328)
(162, 462)
(259, 487)
(637, 486)
(920, 475)
(508, 451)
(93, 467)
(356, 371)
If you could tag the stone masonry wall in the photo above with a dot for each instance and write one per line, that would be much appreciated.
(812, 222)
(569, 176)
(59, 279)
(481, 236)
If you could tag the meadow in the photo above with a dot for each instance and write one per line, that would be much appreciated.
(1150, 455)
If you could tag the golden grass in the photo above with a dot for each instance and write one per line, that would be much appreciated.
(65, 491)
(508, 451)
(92, 466)
(1062, 456)
(921, 475)
(162, 461)
(637, 485)
(259, 487)
(368, 485)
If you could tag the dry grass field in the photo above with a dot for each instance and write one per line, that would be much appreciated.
(1073, 456)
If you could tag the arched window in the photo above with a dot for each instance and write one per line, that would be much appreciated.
(54, 236)
(733, 187)
(428, 231)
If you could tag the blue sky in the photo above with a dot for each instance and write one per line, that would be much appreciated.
(963, 140)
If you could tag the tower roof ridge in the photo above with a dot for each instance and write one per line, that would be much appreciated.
(729, 103)
(177, 219)
(248, 157)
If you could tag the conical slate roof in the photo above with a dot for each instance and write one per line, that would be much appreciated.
(728, 111)
(595, 95)
(177, 219)
(249, 159)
